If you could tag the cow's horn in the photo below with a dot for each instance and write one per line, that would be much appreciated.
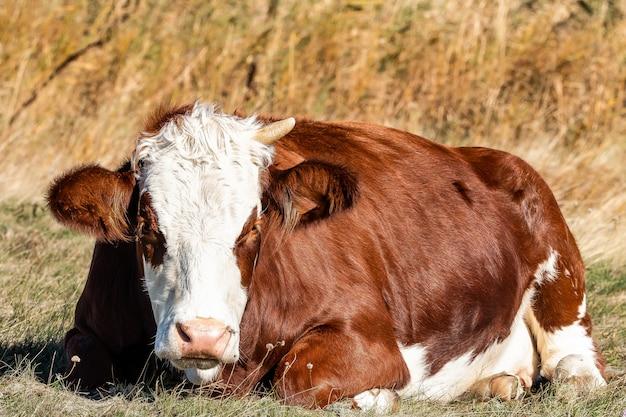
(270, 133)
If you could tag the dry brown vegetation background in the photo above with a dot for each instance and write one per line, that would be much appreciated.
(545, 80)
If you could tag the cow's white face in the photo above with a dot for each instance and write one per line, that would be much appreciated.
(199, 182)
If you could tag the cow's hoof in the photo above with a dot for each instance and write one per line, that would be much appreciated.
(580, 372)
(379, 401)
(506, 387)
(503, 386)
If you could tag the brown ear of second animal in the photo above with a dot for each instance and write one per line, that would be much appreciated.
(93, 200)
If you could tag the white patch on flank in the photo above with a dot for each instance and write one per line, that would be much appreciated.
(203, 175)
(514, 355)
(547, 271)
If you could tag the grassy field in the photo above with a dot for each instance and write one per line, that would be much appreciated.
(544, 80)
(42, 270)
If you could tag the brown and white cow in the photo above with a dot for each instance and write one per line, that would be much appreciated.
(332, 259)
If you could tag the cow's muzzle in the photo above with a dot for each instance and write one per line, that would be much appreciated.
(203, 343)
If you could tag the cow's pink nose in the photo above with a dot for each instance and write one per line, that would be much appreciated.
(203, 338)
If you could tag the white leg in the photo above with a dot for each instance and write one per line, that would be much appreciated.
(567, 355)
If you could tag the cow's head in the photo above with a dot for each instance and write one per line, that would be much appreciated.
(196, 175)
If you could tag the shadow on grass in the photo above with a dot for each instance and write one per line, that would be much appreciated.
(46, 361)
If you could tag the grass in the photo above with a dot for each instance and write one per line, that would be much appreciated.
(42, 270)
(544, 80)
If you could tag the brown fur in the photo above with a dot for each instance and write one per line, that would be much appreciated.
(94, 200)
(163, 114)
(247, 248)
(373, 236)
(148, 233)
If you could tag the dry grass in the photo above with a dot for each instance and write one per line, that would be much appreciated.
(545, 80)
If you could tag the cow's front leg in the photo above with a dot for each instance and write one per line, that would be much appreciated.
(328, 365)
(90, 364)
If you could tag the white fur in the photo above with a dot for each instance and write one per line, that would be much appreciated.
(202, 376)
(203, 176)
(378, 401)
(514, 355)
(568, 340)
(547, 271)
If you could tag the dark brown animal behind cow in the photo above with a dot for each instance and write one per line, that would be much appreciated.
(376, 265)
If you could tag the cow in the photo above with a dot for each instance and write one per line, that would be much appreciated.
(329, 259)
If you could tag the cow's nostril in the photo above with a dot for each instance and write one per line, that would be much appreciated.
(205, 339)
(183, 332)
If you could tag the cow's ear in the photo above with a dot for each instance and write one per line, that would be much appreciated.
(311, 191)
(93, 200)
(285, 159)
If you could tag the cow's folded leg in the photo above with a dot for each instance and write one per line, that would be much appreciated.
(324, 367)
(503, 386)
(90, 364)
(561, 325)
